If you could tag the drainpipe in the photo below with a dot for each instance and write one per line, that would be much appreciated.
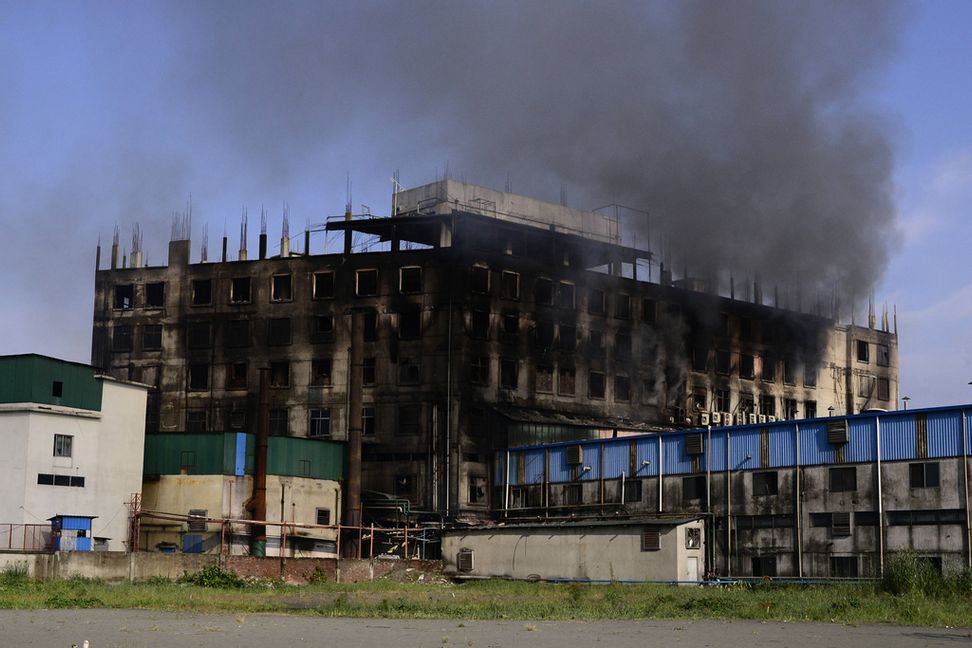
(352, 508)
(965, 471)
(799, 506)
(506, 488)
(622, 488)
(258, 506)
(708, 470)
(448, 422)
(545, 495)
(728, 508)
(661, 470)
(880, 499)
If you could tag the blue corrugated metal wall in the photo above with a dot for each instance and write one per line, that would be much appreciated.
(898, 443)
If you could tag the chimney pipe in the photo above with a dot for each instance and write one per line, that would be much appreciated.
(263, 245)
(114, 256)
(98, 257)
(224, 249)
(347, 232)
(306, 242)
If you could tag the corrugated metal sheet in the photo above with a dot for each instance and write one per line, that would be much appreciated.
(533, 467)
(898, 437)
(305, 458)
(559, 469)
(617, 459)
(814, 448)
(744, 449)
(968, 429)
(239, 464)
(862, 447)
(592, 460)
(647, 451)
(783, 445)
(29, 379)
(716, 452)
(676, 461)
(195, 454)
(944, 434)
(75, 523)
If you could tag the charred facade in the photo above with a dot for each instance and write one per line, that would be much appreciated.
(486, 321)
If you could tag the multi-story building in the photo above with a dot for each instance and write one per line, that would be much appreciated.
(481, 320)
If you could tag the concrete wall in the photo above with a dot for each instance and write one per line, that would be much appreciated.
(600, 553)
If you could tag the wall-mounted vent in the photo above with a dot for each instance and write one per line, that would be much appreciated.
(575, 455)
(197, 520)
(837, 432)
(650, 540)
(694, 444)
(840, 525)
(465, 561)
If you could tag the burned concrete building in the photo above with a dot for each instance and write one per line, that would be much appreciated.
(472, 321)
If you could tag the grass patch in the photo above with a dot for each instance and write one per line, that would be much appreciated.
(209, 591)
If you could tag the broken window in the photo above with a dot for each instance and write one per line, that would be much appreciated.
(765, 483)
(883, 389)
(155, 294)
(508, 373)
(409, 418)
(789, 408)
(322, 516)
(865, 386)
(510, 285)
(410, 324)
(649, 310)
(543, 292)
(883, 355)
(125, 296)
(366, 282)
(202, 292)
(595, 384)
(566, 383)
(368, 371)
(622, 388)
(810, 409)
(700, 359)
(410, 280)
(196, 421)
(565, 295)
(595, 301)
(622, 306)
(279, 423)
(768, 368)
(237, 333)
(724, 326)
(844, 566)
(923, 475)
(199, 335)
(237, 417)
(863, 351)
(63, 445)
(281, 288)
(477, 489)
(479, 324)
(236, 376)
(368, 421)
(321, 372)
(323, 328)
(767, 405)
(810, 375)
(479, 370)
(700, 399)
(199, 376)
(280, 373)
(764, 566)
(722, 400)
(479, 279)
(409, 371)
(622, 347)
(746, 404)
(370, 325)
(240, 290)
(511, 326)
(545, 334)
(596, 343)
(723, 361)
(568, 338)
(746, 329)
(693, 488)
(324, 285)
(278, 331)
(843, 479)
(746, 366)
(544, 379)
(789, 371)
(121, 338)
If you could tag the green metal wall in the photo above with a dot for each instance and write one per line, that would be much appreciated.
(30, 379)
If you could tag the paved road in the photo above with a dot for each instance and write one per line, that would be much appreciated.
(140, 628)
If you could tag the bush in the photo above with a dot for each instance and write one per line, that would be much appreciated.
(14, 575)
(907, 573)
(213, 576)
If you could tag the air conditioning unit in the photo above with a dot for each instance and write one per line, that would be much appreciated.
(726, 418)
(704, 418)
(575, 455)
(762, 418)
(771, 419)
(751, 418)
(716, 418)
(694, 444)
(837, 432)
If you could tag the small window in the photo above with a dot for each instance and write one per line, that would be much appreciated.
(649, 310)
(279, 423)
(410, 280)
(197, 520)
(700, 399)
(280, 374)
(155, 295)
(152, 337)
(863, 351)
(366, 282)
(595, 384)
(622, 389)
(511, 325)
(409, 371)
(236, 376)
(370, 323)
(321, 372)
(479, 324)
(237, 417)
(693, 538)
(596, 342)
(477, 489)
(125, 296)
(721, 400)
(479, 370)
(240, 290)
(543, 292)
(322, 328)
(45, 479)
(63, 445)
(565, 295)
(764, 566)
(789, 408)
(202, 292)
(746, 366)
(810, 409)
(121, 338)
(883, 355)
(320, 425)
(768, 367)
(573, 494)
(368, 421)
(566, 383)
(410, 324)
(865, 386)
(77, 482)
(510, 285)
(281, 288)
(62, 480)
(693, 488)
(323, 516)
(650, 540)
(765, 483)
(368, 371)
(923, 475)
(843, 480)
(595, 301)
(479, 279)
(767, 405)
(196, 421)
(883, 389)
(409, 419)
(57, 389)
(199, 376)
(324, 285)
(632, 491)
(199, 335)
(544, 333)
(278, 331)
(508, 373)
(544, 379)
(844, 566)
(746, 329)
(622, 306)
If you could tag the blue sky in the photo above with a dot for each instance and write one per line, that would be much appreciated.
(115, 113)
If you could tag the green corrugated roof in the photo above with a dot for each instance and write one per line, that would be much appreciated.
(31, 378)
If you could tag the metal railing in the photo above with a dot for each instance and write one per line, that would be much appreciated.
(34, 538)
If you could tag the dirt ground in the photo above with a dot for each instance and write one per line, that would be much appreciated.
(142, 628)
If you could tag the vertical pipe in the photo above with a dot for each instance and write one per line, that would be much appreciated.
(434, 456)
(600, 461)
(224, 249)
(263, 245)
(448, 421)
(661, 469)
(405, 551)
(880, 498)
(965, 471)
(283, 531)
(622, 488)
(352, 509)
(708, 470)
(306, 242)
(545, 495)
(728, 507)
(798, 506)
(371, 542)
(258, 532)
(506, 494)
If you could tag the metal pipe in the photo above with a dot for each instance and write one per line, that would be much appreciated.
(545, 495)
(708, 470)
(506, 494)
(880, 498)
(448, 426)
(965, 471)
(433, 459)
(661, 469)
(258, 505)
(622, 488)
(728, 506)
(352, 509)
(798, 505)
